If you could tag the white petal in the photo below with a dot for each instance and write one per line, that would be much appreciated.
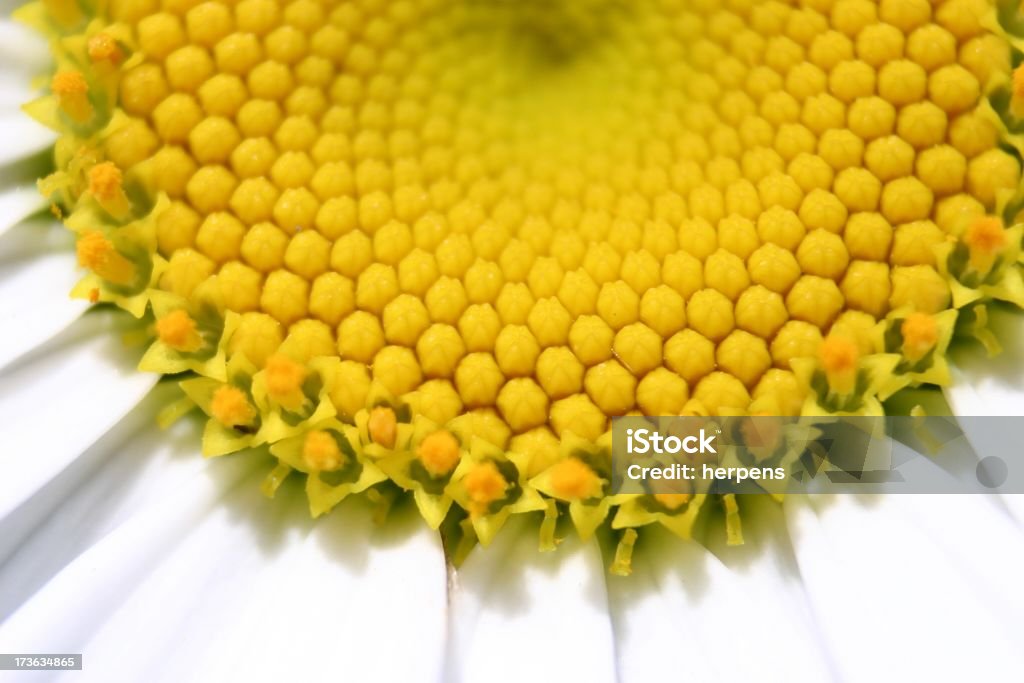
(911, 587)
(60, 399)
(741, 615)
(984, 386)
(34, 286)
(22, 137)
(218, 583)
(18, 202)
(518, 614)
(22, 50)
(130, 467)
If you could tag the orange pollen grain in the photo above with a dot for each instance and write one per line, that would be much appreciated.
(69, 83)
(484, 485)
(231, 408)
(572, 479)
(920, 333)
(839, 355)
(320, 451)
(97, 253)
(178, 331)
(105, 181)
(439, 453)
(383, 426)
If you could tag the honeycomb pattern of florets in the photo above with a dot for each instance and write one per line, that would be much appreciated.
(451, 213)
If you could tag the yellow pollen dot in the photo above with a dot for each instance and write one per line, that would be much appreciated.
(320, 451)
(920, 333)
(484, 485)
(383, 426)
(673, 501)
(178, 331)
(439, 453)
(232, 408)
(985, 238)
(105, 184)
(72, 90)
(284, 379)
(572, 479)
(98, 253)
(839, 357)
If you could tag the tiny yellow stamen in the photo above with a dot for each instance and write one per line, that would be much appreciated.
(284, 379)
(383, 426)
(98, 254)
(574, 480)
(320, 451)
(439, 453)
(231, 407)
(920, 333)
(106, 186)
(484, 485)
(178, 331)
(72, 93)
(103, 48)
(839, 358)
(986, 239)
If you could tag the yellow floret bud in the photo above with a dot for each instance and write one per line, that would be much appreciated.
(822, 209)
(744, 356)
(484, 486)
(690, 355)
(440, 348)
(559, 372)
(992, 173)
(320, 451)
(920, 287)
(814, 299)
(866, 287)
(773, 267)
(889, 157)
(178, 331)
(382, 426)
(285, 296)
(98, 254)
(858, 189)
(439, 453)
(796, 339)
(722, 393)
(478, 380)
(523, 405)
(953, 89)
(308, 339)
(360, 337)
(446, 300)
(726, 273)
(710, 313)
(397, 369)
(914, 244)
(662, 392)
(760, 311)
(611, 387)
(230, 406)
(823, 253)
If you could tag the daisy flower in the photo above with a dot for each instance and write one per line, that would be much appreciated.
(395, 264)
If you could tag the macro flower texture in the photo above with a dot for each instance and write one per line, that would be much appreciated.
(357, 286)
